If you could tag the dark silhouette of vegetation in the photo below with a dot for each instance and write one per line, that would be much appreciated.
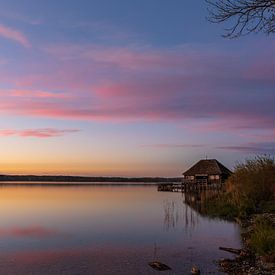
(250, 191)
(252, 184)
(262, 239)
(222, 207)
(246, 16)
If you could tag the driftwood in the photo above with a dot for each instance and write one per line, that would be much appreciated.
(231, 250)
(159, 266)
(195, 271)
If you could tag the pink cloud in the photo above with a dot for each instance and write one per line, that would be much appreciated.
(37, 93)
(167, 145)
(142, 83)
(179, 60)
(122, 57)
(149, 98)
(14, 35)
(38, 133)
(251, 147)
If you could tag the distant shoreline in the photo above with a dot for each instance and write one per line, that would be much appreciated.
(79, 180)
(75, 185)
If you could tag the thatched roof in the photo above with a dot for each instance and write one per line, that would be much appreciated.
(208, 166)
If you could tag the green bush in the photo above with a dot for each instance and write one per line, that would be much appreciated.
(268, 206)
(252, 183)
(262, 239)
(222, 207)
(250, 189)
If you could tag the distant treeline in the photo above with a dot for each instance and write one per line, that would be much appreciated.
(84, 179)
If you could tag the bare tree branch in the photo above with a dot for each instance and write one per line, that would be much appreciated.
(246, 16)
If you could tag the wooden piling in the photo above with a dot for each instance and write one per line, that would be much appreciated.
(183, 187)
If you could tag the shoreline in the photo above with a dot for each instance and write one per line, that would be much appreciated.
(74, 184)
(247, 261)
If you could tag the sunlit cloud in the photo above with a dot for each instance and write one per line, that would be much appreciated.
(146, 84)
(37, 94)
(15, 35)
(37, 133)
(167, 145)
(140, 57)
(251, 147)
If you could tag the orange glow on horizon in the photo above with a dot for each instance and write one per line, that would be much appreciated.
(89, 169)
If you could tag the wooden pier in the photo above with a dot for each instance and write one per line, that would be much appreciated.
(183, 187)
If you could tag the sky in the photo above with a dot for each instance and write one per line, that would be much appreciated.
(129, 88)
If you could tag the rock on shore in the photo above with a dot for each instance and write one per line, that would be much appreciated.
(247, 262)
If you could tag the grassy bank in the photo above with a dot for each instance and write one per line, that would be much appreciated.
(262, 238)
(249, 198)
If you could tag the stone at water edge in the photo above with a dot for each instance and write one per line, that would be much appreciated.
(159, 266)
(195, 271)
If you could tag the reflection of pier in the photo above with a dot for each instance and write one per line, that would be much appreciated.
(186, 214)
(197, 200)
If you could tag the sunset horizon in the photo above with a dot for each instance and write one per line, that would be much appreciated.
(125, 91)
(137, 137)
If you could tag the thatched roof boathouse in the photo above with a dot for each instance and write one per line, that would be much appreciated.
(206, 172)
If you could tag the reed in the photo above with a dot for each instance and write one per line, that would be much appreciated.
(262, 239)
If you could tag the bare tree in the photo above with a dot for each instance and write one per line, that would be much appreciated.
(246, 16)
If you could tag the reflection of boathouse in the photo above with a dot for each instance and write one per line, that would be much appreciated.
(206, 172)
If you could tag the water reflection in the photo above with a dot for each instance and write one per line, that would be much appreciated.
(105, 229)
(178, 212)
(197, 199)
(171, 214)
(38, 232)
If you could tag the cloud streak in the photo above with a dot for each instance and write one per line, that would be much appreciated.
(189, 82)
(254, 148)
(14, 35)
(167, 145)
(37, 133)
(249, 147)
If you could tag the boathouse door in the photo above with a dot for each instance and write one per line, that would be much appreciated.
(201, 179)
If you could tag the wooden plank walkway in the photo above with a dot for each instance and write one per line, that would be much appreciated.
(181, 187)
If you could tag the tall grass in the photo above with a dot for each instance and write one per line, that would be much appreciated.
(262, 239)
(222, 207)
(250, 190)
(252, 183)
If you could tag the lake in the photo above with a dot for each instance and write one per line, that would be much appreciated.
(106, 230)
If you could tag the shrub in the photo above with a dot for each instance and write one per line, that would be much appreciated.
(222, 207)
(250, 189)
(262, 239)
(252, 183)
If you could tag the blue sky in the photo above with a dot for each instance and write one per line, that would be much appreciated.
(129, 88)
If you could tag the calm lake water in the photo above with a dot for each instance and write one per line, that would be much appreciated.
(106, 230)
